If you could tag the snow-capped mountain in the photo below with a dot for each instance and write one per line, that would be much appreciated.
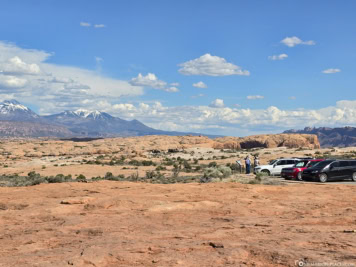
(83, 113)
(19, 120)
(14, 111)
(96, 123)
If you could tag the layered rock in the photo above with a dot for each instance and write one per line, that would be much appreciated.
(268, 141)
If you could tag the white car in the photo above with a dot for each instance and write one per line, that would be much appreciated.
(275, 166)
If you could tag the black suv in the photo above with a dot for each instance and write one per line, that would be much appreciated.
(331, 170)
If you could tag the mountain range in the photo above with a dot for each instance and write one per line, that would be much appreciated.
(331, 137)
(17, 120)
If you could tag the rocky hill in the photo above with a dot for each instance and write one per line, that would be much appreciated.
(331, 137)
(32, 129)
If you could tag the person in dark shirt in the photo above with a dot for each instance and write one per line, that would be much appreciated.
(248, 164)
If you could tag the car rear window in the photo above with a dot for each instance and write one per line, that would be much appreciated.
(353, 163)
(344, 163)
(301, 164)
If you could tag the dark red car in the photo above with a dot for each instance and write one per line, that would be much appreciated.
(295, 172)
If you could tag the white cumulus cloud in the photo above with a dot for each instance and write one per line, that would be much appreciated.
(210, 66)
(99, 26)
(293, 41)
(217, 103)
(278, 57)
(16, 66)
(200, 85)
(253, 97)
(331, 71)
(151, 80)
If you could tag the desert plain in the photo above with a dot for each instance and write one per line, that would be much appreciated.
(158, 213)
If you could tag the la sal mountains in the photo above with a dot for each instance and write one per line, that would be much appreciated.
(17, 120)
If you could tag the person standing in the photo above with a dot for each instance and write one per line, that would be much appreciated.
(248, 164)
(256, 162)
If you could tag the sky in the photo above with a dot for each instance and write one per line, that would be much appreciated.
(228, 67)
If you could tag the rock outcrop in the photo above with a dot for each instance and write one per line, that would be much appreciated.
(268, 141)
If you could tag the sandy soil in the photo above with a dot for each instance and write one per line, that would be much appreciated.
(135, 224)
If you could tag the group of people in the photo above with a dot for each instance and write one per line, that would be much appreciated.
(248, 163)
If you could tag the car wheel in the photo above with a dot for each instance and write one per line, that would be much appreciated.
(266, 172)
(299, 176)
(323, 178)
(354, 176)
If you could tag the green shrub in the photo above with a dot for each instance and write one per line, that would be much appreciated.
(161, 168)
(212, 164)
(219, 172)
(81, 178)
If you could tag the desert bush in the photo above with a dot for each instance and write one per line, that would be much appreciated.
(81, 178)
(187, 166)
(134, 177)
(161, 168)
(108, 175)
(197, 168)
(219, 172)
(212, 164)
(148, 163)
(59, 178)
(134, 162)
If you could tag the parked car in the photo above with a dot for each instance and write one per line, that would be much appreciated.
(275, 166)
(295, 172)
(331, 170)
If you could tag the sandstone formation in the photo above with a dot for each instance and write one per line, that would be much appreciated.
(268, 141)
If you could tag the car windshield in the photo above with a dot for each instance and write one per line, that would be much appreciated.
(322, 164)
(272, 162)
(301, 164)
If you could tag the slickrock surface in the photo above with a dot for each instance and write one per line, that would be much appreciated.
(136, 224)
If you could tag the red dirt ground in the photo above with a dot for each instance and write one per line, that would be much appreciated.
(136, 224)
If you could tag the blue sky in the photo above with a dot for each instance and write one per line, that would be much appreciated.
(220, 67)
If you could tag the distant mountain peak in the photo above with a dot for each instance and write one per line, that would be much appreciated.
(13, 110)
(11, 105)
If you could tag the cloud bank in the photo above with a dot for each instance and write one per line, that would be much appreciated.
(219, 119)
(25, 75)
